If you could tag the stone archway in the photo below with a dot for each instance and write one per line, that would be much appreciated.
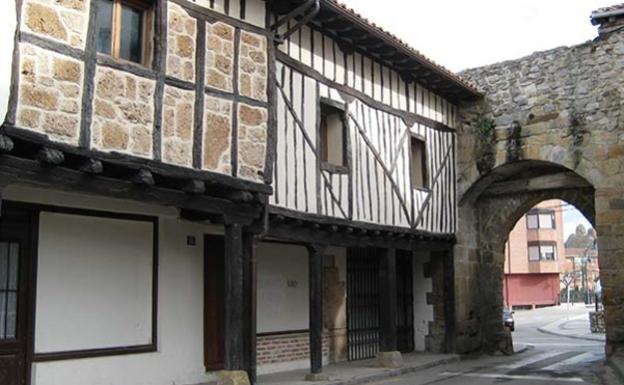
(488, 211)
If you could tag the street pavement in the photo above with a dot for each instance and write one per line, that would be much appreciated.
(549, 359)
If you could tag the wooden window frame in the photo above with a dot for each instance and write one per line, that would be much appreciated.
(425, 163)
(325, 165)
(147, 7)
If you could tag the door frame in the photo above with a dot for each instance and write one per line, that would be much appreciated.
(11, 215)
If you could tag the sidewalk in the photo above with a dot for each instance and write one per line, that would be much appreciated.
(360, 372)
(573, 327)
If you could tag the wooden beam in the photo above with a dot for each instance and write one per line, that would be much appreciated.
(315, 269)
(234, 349)
(194, 186)
(562, 180)
(388, 301)
(63, 178)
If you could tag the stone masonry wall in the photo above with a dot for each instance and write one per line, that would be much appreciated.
(181, 38)
(252, 138)
(178, 114)
(50, 93)
(217, 134)
(53, 77)
(61, 20)
(219, 56)
(253, 66)
(562, 107)
(123, 113)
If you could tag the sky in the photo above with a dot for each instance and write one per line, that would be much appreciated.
(572, 218)
(465, 34)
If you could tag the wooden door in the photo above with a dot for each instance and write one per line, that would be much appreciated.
(15, 249)
(405, 302)
(214, 295)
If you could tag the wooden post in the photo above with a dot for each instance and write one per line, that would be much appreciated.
(236, 323)
(388, 301)
(315, 271)
(249, 245)
(239, 328)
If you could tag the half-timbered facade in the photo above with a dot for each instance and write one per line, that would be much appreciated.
(364, 180)
(190, 188)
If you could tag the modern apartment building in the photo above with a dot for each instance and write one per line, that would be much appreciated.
(533, 254)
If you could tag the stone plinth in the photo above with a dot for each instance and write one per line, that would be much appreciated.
(390, 360)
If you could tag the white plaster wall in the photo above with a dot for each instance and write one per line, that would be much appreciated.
(282, 287)
(94, 283)
(179, 359)
(7, 34)
(423, 313)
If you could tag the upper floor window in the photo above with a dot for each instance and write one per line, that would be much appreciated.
(418, 163)
(541, 219)
(542, 251)
(124, 29)
(333, 134)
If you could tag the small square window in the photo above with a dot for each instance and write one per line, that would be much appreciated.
(532, 221)
(124, 29)
(418, 163)
(333, 135)
(534, 253)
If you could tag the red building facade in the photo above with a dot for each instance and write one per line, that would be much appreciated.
(533, 252)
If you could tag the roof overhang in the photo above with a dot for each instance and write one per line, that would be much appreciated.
(353, 32)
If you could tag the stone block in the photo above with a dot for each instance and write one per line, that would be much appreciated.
(316, 377)
(45, 20)
(233, 377)
(391, 360)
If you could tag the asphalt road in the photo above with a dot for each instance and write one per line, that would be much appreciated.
(549, 359)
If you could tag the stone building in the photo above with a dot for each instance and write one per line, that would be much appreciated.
(549, 127)
(197, 191)
(534, 253)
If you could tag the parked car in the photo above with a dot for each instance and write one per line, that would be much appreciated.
(508, 320)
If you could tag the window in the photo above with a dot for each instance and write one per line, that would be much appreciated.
(542, 252)
(333, 134)
(9, 260)
(418, 166)
(123, 29)
(541, 219)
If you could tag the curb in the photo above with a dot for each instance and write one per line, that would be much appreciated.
(546, 331)
(524, 348)
(364, 379)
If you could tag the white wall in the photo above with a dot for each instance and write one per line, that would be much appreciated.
(179, 359)
(423, 313)
(7, 34)
(94, 283)
(283, 296)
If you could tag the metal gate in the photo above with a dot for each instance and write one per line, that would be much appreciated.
(363, 303)
(405, 302)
